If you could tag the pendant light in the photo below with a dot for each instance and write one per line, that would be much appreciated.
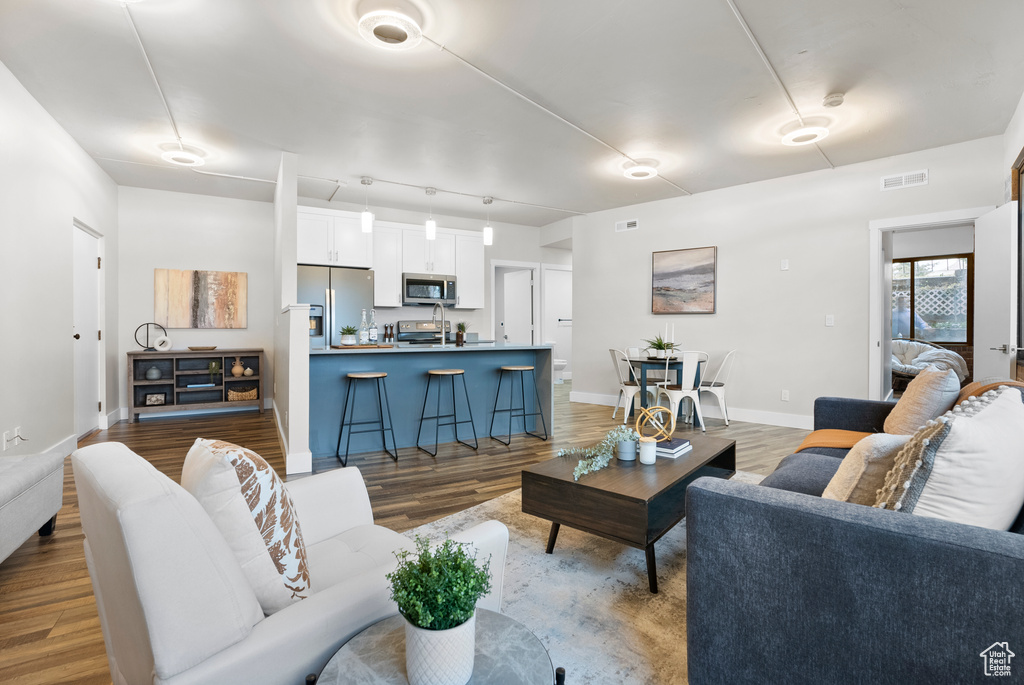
(488, 231)
(366, 217)
(431, 225)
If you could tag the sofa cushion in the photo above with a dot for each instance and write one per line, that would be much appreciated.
(357, 550)
(251, 507)
(804, 472)
(863, 470)
(929, 395)
(967, 466)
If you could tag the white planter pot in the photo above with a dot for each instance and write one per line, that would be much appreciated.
(348, 340)
(660, 354)
(440, 657)
(626, 450)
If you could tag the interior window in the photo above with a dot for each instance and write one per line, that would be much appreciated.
(932, 298)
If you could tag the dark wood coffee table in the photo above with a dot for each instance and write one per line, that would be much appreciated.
(628, 502)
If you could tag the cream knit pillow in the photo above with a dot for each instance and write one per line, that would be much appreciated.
(252, 509)
(933, 392)
(863, 469)
(966, 466)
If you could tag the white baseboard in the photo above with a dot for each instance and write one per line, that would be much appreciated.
(567, 375)
(294, 462)
(65, 446)
(768, 418)
(119, 414)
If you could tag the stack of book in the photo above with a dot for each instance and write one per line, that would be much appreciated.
(671, 449)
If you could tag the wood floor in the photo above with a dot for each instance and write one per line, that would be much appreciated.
(49, 629)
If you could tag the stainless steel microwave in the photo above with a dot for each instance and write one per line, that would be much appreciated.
(428, 289)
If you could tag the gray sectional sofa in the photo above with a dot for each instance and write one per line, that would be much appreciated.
(786, 587)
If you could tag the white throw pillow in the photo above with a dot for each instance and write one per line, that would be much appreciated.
(933, 392)
(864, 468)
(250, 506)
(966, 466)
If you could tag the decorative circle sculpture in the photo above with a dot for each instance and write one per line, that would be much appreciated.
(147, 329)
(656, 422)
(162, 343)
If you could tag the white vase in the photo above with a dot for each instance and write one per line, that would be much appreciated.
(660, 354)
(648, 451)
(440, 657)
(348, 340)
(626, 450)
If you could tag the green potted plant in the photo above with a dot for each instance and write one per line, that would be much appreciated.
(662, 348)
(436, 591)
(460, 333)
(625, 438)
(348, 335)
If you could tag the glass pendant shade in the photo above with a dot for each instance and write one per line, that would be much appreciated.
(367, 221)
(431, 229)
(488, 235)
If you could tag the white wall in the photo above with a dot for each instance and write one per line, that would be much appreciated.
(935, 241)
(1013, 144)
(818, 221)
(47, 182)
(165, 230)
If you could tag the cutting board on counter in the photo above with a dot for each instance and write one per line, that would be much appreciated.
(361, 347)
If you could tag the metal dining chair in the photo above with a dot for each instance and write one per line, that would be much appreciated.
(629, 385)
(716, 386)
(688, 386)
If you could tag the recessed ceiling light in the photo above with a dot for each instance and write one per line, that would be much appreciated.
(640, 172)
(183, 158)
(390, 30)
(805, 135)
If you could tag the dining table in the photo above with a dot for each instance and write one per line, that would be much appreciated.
(653, 363)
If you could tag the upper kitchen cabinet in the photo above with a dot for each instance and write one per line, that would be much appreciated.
(469, 271)
(332, 238)
(387, 266)
(422, 256)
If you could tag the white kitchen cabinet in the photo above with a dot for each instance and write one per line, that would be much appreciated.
(387, 266)
(332, 238)
(422, 256)
(469, 271)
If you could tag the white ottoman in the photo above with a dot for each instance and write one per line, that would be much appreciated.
(31, 494)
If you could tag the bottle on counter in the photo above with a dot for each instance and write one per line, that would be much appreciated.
(373, 327)
(364, 331)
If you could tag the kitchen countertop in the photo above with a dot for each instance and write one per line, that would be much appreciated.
(407, 347)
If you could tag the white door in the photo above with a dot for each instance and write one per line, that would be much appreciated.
(995, 293)
(518, 299)
(557, 294)
(85, 301)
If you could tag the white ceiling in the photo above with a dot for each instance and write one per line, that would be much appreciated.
(669, 80)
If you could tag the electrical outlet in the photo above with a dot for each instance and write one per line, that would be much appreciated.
(830, 319)
(785, 395)
(784, 266)
(17, 436)
(7, 437)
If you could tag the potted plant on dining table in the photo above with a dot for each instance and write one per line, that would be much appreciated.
(662, 348)
(436, 591)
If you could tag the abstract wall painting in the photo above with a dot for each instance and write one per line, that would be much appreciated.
(684, 281)
(200, 299)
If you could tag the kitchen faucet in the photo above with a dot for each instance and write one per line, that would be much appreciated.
(433, 319)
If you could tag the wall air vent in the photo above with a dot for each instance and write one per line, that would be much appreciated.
(630, 225)
(907, 180)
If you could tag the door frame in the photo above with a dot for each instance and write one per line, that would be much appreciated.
(532, 266)
(876, 312)
(544, 269)
(101, 310)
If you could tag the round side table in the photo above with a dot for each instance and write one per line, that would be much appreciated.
(506, 652)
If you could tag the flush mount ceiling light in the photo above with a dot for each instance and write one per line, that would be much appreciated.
(640, 172)
(805, 135)
(390, 30)
(182, 154)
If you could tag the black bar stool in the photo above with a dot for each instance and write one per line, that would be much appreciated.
(514, 411)
(439, 374)
(382, 406)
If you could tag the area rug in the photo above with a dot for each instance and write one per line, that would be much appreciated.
(589, 602)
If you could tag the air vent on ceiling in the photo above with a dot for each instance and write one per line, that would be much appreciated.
(907, 180)
(630, 225)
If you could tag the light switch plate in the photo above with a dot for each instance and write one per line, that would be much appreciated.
(830, 319)
(784, 266)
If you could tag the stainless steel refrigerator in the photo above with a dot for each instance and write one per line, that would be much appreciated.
(336, 297)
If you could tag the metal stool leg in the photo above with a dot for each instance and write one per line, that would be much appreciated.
(348, 443)
(469, 406)
(382, 383)
(423, 414)
(494, 411)
(341, 432)
(540, 410)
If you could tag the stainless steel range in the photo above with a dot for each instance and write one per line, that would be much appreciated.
(423, 332)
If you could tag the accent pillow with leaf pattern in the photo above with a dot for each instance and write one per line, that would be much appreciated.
(250, 506)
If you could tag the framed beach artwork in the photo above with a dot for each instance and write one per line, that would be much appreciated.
(683, 281)
(200, 299)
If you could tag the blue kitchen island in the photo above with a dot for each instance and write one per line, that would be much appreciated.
(407, 368)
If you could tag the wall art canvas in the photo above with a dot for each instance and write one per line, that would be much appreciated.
(684, 281)
(200, 299)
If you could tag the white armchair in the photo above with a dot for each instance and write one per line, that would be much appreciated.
(174, 605)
